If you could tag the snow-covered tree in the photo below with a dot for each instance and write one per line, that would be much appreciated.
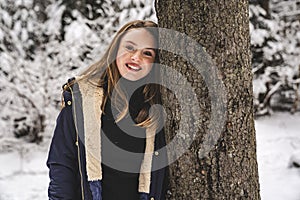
(20, 37)
(45, 42)
(275, 45)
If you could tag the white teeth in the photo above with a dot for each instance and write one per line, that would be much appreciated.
(133, 67)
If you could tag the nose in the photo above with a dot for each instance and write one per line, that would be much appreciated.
(136, 56)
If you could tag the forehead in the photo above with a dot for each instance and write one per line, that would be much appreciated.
(141, 37)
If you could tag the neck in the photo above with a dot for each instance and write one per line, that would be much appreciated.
(130, 86)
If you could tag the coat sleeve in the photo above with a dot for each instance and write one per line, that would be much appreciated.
(62, 159)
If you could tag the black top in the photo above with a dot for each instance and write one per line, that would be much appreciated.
(123, 146)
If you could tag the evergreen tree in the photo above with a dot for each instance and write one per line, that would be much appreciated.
(45, 42)
(274, 44)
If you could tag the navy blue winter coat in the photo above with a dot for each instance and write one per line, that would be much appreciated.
(75, 173)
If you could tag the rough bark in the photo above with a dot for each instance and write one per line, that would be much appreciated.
(229, 169)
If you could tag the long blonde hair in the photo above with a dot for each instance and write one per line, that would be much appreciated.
(105, 71)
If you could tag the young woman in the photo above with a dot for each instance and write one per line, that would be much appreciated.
(108, 139)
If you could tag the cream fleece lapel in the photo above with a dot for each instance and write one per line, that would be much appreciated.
(145, 172)
(91, 108)
(92, 97)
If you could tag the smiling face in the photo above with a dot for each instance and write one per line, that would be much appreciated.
(136, 54)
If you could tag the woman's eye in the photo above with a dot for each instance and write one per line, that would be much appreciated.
(148, 53)
(129, 48)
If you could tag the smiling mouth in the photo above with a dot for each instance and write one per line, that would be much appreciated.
(133, 67)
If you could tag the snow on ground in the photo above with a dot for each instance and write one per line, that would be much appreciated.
(23, 171)
(24, 175)
(278, 137)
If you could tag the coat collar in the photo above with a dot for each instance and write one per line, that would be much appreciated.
(87, 99)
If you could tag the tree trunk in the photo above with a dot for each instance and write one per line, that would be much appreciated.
(220, 162)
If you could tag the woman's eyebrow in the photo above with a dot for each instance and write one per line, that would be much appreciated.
(128, 41)
(150, 48)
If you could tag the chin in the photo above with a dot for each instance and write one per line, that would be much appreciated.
(131, 78)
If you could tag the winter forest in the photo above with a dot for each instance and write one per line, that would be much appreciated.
(45, 42)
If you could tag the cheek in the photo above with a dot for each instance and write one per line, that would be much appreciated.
(120, 59)
(149, 67)
(149, 63)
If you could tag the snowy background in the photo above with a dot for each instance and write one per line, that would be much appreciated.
(44, 42)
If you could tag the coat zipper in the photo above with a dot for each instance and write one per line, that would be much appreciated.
(77, 144)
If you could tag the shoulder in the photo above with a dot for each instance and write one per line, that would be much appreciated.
(78, 88)
(67, 92)
(69, 84)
